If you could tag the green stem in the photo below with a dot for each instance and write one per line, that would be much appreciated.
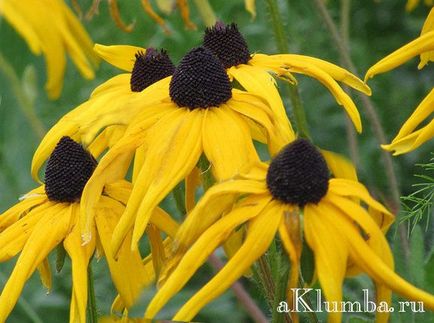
(206, 12)
(24, 102)
(283, 47)
(91, 300)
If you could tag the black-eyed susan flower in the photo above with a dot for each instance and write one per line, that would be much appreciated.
(336, 225)
(50, 28)
(252, 70)
(49, 215)
(201, 114)
(102, 120)
(411, 136)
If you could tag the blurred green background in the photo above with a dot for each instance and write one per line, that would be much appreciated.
(376, 29)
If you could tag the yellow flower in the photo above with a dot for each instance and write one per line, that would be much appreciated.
(412, 4)
(101, 121)
(410, 138)
(200, 114)
(336, 226)
(49, 27)
(49, 215)
(252, 70)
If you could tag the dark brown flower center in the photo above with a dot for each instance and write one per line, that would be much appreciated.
(298, 174)
(68, 169)
(149, 68)
(227, 43)
(200, 81)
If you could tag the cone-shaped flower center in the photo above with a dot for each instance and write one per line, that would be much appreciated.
(200, 81)
(68, 169)
(149, 68)
(298, 174)
(227, 43)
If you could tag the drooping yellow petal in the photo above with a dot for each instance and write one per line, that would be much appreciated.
(217, 200)
(131, 284)
(200, 251)
(344, 187)
(257, 80)
(15, 236)
(29, 201)
(226, 142)
(115, 163)
(330, 257)
(192, 182)
(47, 234)
(411, 141)
(80, 256)
(260, 233)
(45, 274)
(423, 110)
(106, 139)
(428, 26)
(250, 7)
(338, 73)
(121, 56)
(308, 68)
(146, 4)
(185, 14)
(375, 267)
(422, 44)
(164, 222)
(340, 166)
(375, 239)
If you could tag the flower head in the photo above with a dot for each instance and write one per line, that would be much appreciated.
(49, 215)
(336, 226)
(50, 27)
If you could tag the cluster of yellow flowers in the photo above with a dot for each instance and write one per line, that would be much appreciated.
(162, 121)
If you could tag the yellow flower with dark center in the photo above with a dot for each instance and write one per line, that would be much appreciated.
(336, 226)
(101, 121)
(50, 28)
(252, 70)
(410, 136)
(49, 215)
(201, 114)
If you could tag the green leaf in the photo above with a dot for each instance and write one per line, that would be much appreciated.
(417, 271)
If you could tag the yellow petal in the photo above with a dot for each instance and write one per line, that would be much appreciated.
(114, 165)
(340, 166)
(257, 80)
(427, 27)
(192, 183)
(250, 7)
(106, 139)
(217, 200)
(47, 234)
(411, 141)
(200, 251)
(80, 256)
(260, 233)
(307, 67)
(375, 267)
(45, 273)
(226, 142)
(344, 187)
(420, 45)
(121, 56)
(128, 285)
(14, 237)
(424, 109)
(164, 222)
(330, 257)
(263, 118)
